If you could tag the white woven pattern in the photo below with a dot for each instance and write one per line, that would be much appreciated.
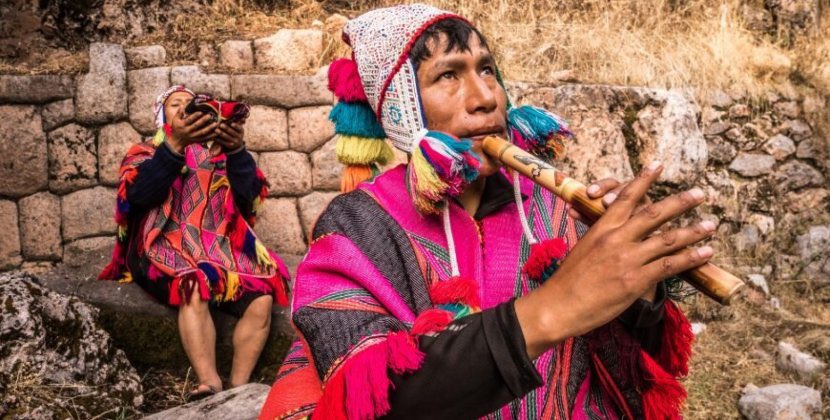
(379, 39)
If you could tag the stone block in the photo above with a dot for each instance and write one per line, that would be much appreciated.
(278, 226)
(281, 91)
(35, 89)
(289, 173)
(40, 227)
(88, 213)
(311, 206)
(780, 147)
(10, 239)
(23, 162)
(107, 58)
(236, 55)
(57, 113)
(326, 169)
(266, 129)
(795, 175)
(217, 85)
(780, 402)
(289, 49)
(145, 56)
(73, 162)
(752, 164)
(806, 366)
(101, 97)
(144, 87)
(113, 142)
(309, 128)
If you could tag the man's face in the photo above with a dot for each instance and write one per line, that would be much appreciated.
(174, 103)
(461, 95)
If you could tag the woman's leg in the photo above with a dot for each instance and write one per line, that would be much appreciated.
(249, 338)
(199, 340)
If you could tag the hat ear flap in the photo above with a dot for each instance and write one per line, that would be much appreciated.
(538, 131)
(361, 144)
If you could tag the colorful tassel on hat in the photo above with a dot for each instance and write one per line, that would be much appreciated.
(361, 144)
(440, 167)
(538, 131)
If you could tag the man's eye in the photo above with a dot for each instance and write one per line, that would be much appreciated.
(490, 70)
(447, 75)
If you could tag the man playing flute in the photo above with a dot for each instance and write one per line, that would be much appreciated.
(451, 288)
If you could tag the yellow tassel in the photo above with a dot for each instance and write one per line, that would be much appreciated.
(354, 175)
(122, 232)
(159, 138)
(231, 285)
(257, 204)
(126, 277)
(428, 189)
(221, 182)
(353, 150)
(262, 255)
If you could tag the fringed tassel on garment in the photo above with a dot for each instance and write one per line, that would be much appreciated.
(538, 131)
(360, 388)
(344, 81)
(262, 254)
(455, 290)
(664, 396)
(353, 175)
(544, 259)
(441, 166)
(353, 150)
(432, 321)
(676, 344)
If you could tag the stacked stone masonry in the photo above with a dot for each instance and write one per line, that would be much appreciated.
(763, 165)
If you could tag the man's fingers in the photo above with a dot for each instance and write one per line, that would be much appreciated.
(668, 242)
(192, 118)
(602, 187)
(630, 196)
(676, 263)
(651, 216)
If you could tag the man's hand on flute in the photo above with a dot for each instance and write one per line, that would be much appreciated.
(619, 260)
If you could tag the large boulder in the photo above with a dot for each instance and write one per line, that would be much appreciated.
(144, 87)
(56, 359)
(240, 403)
(289, 49)
(73, 159)
(10, 239)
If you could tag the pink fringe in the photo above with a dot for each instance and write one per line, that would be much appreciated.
(360, 389)
(543, 255)
(676, 343)
(432, 320)
(344, 81)
(455, 290)
(664, 395)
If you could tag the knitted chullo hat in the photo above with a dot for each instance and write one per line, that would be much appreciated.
(158, 106)
(378, 97)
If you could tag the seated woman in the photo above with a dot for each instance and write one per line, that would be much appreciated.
(186, 202)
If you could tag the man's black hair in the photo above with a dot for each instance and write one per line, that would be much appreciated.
(457, 32)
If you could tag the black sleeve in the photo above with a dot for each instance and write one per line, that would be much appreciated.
(644, 320)
(153, 182)
(244, 183)
(474, 367)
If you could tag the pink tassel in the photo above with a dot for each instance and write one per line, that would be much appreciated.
(455, 290)
(153, 273)
(544, 258)
(676, 343)
(344, 81)
(360, 389)
(432, 320)
(664, 395)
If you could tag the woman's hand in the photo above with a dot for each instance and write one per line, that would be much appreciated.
(230, 136)
(196, 128)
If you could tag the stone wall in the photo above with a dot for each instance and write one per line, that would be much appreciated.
(63, 138)
(763, 163)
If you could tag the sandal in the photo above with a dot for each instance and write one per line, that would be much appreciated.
(198, 394)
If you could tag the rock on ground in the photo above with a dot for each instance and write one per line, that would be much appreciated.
(54, 357)
(241, 403)
(780, 402)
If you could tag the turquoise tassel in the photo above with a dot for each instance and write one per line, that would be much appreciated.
(356, 119)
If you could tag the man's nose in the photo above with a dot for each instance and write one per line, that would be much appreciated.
(480, 96)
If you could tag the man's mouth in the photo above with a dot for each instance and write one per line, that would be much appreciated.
(481, 134)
